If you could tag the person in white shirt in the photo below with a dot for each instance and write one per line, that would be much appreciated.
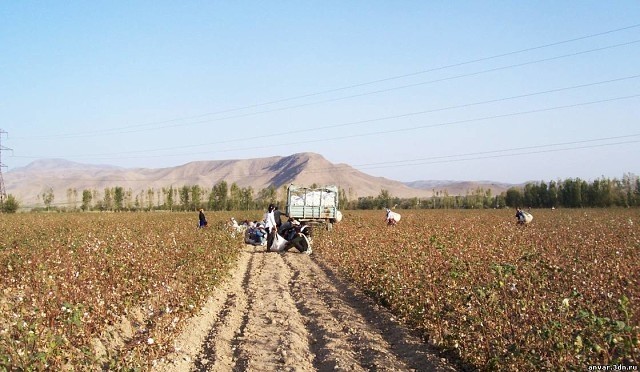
(270, 225)
(392, 218)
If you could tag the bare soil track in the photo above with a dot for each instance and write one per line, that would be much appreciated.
(289, 312)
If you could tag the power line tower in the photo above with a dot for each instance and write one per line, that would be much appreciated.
(3, 192)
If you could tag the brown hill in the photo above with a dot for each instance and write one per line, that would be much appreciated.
(27, 183)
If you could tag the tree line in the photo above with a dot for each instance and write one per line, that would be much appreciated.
(221, 196)
(577, 193)
(568, 193)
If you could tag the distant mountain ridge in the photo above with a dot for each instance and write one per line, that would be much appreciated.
(47, 164)
(27, 183)
(460, 187)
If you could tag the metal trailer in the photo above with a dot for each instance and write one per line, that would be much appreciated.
(313, 205)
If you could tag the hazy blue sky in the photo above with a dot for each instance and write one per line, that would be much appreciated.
(409, 90)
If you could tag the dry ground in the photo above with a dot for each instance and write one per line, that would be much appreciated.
(289, 312)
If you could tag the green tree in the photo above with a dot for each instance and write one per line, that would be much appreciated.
(159, 194)
(72, 198)
(143, 196)
(343, 199)
(118, 198)
(247, 197)
(543, 195)
(384, 199)
(150, 198)
(196, 197)
(69, 197)
(266, 196)
(366, 202)
(513, 197)
(552, 194)
(282, 202)
(628, 187)
(408, 203)
(48, 197)
(218, 197)
(129, 199)
(168, 199)
(86, 200)
(235, 197)
(571, 193)
(601, 193)
(211, 199)
(488, 199)
(10, 204)
(530, 195)
(184, 197)
(108, 199)
(448, 201)
(138, 201)
(95, 197)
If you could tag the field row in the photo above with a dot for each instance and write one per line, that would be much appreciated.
(561, 292)
(110, 289)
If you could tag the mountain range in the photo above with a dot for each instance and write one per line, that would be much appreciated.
(28, 182)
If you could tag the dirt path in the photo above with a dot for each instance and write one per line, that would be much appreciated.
(288, 312)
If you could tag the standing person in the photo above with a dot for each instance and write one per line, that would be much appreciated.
(277, 215)
(270, 224)
(202, 219)
(270, 219)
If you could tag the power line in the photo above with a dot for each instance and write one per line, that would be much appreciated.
(122, 130)
(366, 121)
(398, 130)
(3, 191)
(387, 89)
(430, 70)
(447, 159)
(522, 153)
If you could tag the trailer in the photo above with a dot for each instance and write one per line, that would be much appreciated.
(317, 205)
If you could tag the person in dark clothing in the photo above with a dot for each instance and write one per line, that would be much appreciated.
(202, 219)
(277, 215)
(285, 227)
(292, 234)
(287, 230)
(520, 216)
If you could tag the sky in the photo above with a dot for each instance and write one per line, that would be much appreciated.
(507, 91)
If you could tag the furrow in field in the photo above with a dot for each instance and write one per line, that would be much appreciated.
(350, 332)
(273, 336)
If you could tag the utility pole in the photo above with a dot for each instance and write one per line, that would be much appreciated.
(3, 192)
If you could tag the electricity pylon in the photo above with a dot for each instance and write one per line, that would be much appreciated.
(3, 192)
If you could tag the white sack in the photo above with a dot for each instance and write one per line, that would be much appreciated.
(278, 244)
